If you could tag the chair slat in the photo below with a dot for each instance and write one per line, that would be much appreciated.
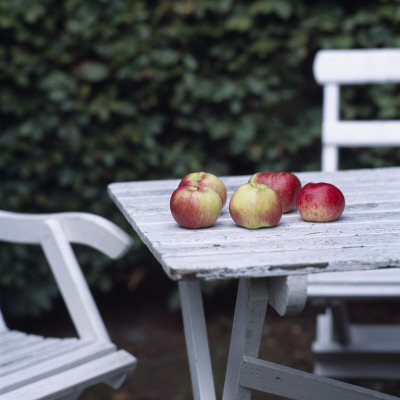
(357, 66)
(362, 133)
(85, 375)
(68, 358)
(24, 349)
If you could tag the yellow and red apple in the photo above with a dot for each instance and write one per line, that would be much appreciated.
(255, 205)
(195, 206)
(206, 179)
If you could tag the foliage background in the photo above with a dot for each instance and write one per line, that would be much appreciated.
(98, 91)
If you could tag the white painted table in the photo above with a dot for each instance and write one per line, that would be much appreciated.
(271, 265)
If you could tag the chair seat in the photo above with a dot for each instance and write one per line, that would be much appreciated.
(356, 285)
(32, 365)
(372, 353)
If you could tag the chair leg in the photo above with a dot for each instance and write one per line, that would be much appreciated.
(340, 322)
(117, 381)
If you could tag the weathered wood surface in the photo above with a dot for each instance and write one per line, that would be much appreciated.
(294, 384)
(367, 236)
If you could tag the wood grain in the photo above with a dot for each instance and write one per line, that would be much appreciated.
(367, 236)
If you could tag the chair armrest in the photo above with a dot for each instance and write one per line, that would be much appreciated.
(83, 228)
(55, 233)
(97, 232)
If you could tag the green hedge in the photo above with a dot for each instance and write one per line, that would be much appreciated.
(93, 92)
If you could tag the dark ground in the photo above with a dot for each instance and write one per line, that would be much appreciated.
(146, 327)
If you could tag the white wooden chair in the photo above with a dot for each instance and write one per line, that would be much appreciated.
(343, 349)
(36, 367)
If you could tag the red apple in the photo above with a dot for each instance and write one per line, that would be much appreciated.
(286, 185)
(205, 179)
(195, 206)
(255, 205)
(320, 202)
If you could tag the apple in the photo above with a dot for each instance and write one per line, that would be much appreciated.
(320, 202)
(286, 185)
(205, 179)
(255, 205)
(195, 206)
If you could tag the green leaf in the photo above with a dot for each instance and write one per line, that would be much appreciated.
(240, 23)
(93, 71)
(281, 8)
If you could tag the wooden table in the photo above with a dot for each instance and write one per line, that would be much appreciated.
(272, 266)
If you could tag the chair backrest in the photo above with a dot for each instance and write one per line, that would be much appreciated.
(334, 68)
(54, 233)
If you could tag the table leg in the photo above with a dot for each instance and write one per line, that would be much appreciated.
(246, 372)
(248, 324)
(196, 340)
